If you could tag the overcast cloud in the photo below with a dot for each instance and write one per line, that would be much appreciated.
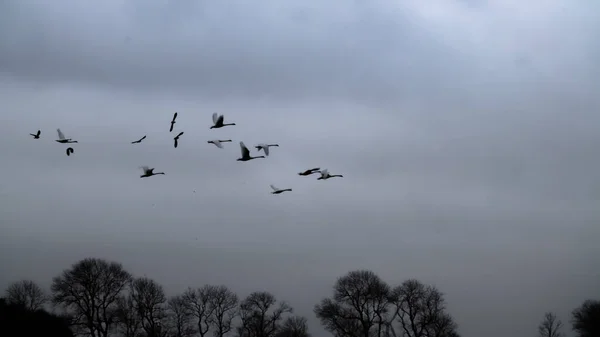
(466, 131)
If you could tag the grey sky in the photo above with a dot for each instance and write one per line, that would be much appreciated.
(467, 134)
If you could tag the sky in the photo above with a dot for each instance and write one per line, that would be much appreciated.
(466, 132)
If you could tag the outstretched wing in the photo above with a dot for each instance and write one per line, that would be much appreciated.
(61, 136)
(220, 119)
(266, 149)
(324, 173)
(274, 188)
(145, 168)
(218, 144)
(215, 117)
(245, 151)
(174, 117)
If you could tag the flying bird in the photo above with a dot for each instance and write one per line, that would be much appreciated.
(37, 135)
(278, 191)
(177, 138)
(218, 142)
(173, 122)
(69, 151)
(62, 139)
(139, 140)
(309, 172)
(265, 147)
(148, 172)
(325, 175)
(246, 153)
(218, 120)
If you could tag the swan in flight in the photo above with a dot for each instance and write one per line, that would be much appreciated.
(265, 147)
(218, 121)
(139, 140)
(278, 191)
(246, 153)
(325, 175)
(177, 138)
(309, 172)
(69, 151)
(148, 172)
(62, 139)
(37, 135)
(173, 122)
(218, 142)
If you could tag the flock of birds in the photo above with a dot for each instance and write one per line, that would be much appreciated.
(218, 122)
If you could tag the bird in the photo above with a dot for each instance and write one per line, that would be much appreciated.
(278, 191)
(265, 147)
(246, 153)
(69, 151)
(139, 140)
(218, 142)
(309, 172)
(177, 138)
(62, 139)
(173, 122)
(218, 120)
(325, 175)
(148, 172)
(37, 135)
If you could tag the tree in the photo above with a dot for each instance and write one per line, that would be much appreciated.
(128, 320)
(586, 319)
(295, 326)
(198, 303)
(17, 320)
(359, 306)
(550, 326)
(260, 316)
(89, 291)
(223, 303)
(421, 311)
(180, 317)
(26, 293)
(149, 301)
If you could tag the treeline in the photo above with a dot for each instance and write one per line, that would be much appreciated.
(99, 298)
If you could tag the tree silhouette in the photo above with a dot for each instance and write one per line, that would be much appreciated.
(295, 326)
(586, 319)
(89, 291)
(358, 307)
(150, 304)
(260, 315)
(421, 311)
(27, 294)
(198, 301)
(550, 326)
(180, 316)
(224, 304)
(128, 321)
(16, 320)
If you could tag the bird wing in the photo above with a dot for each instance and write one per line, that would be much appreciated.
(217, 144)
(61, 136)
(220, 119)
(174, 116)
(324, 172)
(145, 168)
(266, 149)
(215, 118)
(142, 138)
(274, 188)
(245, 151)
(39, 132)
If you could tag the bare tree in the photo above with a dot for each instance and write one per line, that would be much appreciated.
(550, 326)
(224, 304)
(421, 311)
(295, 326)
(180, 316)
(27, 294)
(89, 291)
(359, 306)
(198, 301)
(586, 319)
(260, 316)
(150, 304)
(128, 321)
